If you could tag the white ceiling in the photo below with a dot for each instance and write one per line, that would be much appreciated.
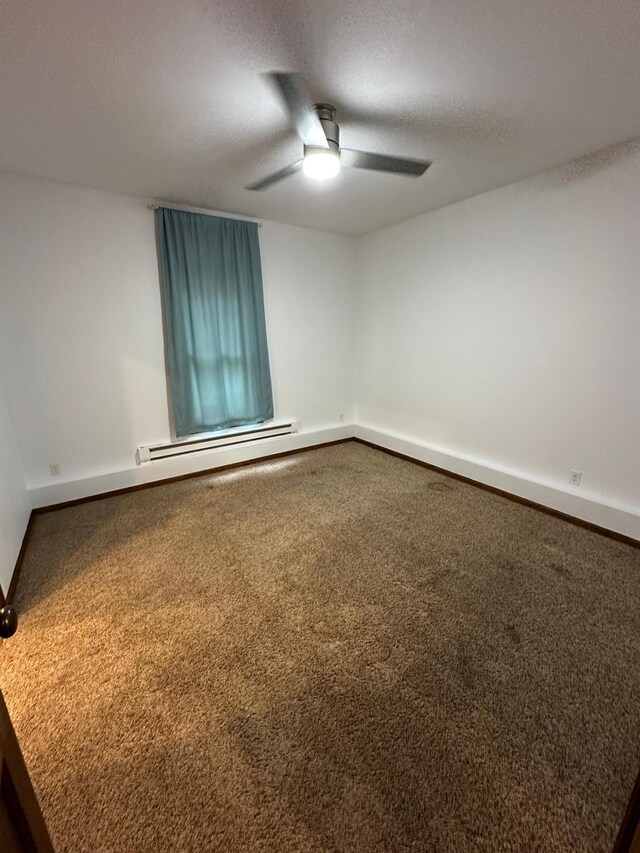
(165, 99)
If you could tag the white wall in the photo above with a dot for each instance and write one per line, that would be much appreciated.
(498, 337)
(15, 506)
(504, 331)
(81, 331)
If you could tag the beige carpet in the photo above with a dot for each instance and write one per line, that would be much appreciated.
(336, 651)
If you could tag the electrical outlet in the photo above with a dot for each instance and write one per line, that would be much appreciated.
(575, 477)
(55, 469)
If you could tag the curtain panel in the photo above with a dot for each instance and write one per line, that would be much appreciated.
(215, 330)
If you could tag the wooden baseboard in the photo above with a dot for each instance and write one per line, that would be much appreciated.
(20, 559)
(190, 476)
(588, 525)
(628, 839)
(604, 531)
(139, 487)
(59, 490)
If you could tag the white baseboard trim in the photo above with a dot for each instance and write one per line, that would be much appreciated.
(163, 469)
(623, 520)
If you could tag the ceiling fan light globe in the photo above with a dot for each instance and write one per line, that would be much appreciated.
(321, 163)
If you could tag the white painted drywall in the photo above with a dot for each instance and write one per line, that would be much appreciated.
(506, 329)
(81, 328)
(498, 337)
(15, 505)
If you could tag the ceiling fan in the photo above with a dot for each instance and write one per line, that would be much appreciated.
(320, 135)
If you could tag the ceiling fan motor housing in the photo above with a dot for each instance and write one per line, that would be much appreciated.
(327, 114)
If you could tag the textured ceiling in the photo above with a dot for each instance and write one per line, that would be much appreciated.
(165, 99)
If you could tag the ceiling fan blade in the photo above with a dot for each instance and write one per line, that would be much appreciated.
(276, 176)
(383, 163)
(299, 105)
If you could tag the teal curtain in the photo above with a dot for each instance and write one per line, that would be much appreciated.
(216, 339)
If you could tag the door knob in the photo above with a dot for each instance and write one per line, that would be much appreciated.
(8, 621)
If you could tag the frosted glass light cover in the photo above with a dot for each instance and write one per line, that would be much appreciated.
(321, 164)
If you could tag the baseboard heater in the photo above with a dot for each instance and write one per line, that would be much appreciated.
(224, 438)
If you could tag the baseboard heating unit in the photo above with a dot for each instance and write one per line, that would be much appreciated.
(223, 438)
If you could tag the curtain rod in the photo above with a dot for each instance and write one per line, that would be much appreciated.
(204, 210)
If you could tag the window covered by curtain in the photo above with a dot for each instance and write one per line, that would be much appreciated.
(216, 340)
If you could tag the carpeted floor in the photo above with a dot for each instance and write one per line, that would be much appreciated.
(335, 651)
